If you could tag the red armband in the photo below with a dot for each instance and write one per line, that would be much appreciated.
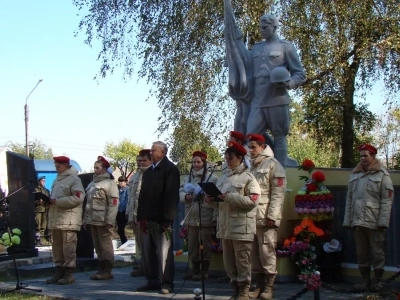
(78, 194)
(254, 197)
(279, 182)
(115, 201)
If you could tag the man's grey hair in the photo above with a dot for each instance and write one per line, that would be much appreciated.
(162, 145)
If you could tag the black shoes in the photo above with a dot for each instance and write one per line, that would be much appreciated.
(148, 287)
(166, 289)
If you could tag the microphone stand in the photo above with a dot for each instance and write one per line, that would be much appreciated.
(19, 285)
(198, 200)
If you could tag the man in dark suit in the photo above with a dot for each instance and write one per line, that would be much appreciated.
(158, 200)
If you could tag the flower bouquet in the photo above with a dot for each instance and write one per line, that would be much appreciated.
(11, 238)
(183, 234)
(303, 247)
(216, 246)
(313, 201)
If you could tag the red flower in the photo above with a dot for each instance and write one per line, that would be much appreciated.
(307, 165)
(311, 187)
(318, 176)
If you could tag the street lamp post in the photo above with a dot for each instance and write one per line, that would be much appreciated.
(26, 120)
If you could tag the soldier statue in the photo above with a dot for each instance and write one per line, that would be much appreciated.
(259, 80)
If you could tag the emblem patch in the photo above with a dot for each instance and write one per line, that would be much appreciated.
(254, 197)
(280, 182)
(78, 194)
(115, 201)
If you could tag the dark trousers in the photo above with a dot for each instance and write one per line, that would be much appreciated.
(121, 223)
(157, 258)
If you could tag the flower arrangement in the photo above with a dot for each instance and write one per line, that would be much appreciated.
(183, 234)
(216, 246)
(313, 201)
(302, 247)
(11, 238)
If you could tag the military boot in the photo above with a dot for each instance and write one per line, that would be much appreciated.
(195, 270)
(59, 274)
(243, 291)
(68, 276)
(235, 288)
(260, 286)
(376, 285)
(106, 273)
(266, 293)
(206, 266)
(99, 271)
(365, 274)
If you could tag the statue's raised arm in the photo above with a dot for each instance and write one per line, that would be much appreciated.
(238, 61)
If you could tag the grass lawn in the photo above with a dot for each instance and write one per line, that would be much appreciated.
(17, 296)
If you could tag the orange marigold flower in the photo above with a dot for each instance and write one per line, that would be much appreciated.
(319, 232)
(292, 240)
(286, 243)
(307, 223)
(297, 230)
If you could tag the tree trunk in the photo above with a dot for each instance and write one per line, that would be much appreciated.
(347, 159)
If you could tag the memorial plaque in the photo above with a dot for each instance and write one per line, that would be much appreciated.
(20, 203)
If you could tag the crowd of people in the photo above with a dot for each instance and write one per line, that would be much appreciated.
(245, 215)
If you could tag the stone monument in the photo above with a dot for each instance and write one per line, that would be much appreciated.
(259, 80)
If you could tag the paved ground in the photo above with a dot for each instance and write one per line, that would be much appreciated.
(123, 287)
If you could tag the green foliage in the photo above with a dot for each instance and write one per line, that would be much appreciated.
(187, 138)
(302, 144)
(37, 149)
(386, 137)
(123, 155)
(345, 47)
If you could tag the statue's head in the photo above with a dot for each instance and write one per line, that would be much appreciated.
(268, 25)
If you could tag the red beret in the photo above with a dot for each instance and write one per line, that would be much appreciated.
(199, 154)
(144, 152)
(368, 147)
(239, 148)
(61, 159)
(256, 137)
(238, 135)
(105, 162)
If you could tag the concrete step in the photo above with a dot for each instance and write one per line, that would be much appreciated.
(44, 269)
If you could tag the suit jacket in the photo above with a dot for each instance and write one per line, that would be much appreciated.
(159, 194)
